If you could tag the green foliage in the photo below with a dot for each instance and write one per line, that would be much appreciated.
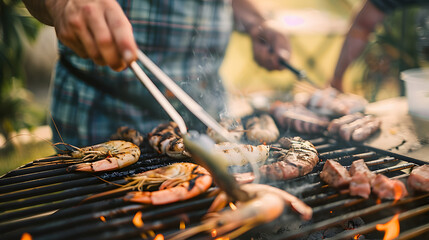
(17, 28)
(392, 50)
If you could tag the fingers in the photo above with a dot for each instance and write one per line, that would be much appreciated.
(98, 30)
(270, 44)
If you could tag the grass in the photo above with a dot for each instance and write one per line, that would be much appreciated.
(22, 154)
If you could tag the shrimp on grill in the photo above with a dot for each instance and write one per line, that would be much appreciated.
(266, 204)
(166, 139)
(175, 182)
(111, 155)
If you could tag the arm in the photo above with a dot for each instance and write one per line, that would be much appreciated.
(269, 40)
(96, 29)
(356, 40)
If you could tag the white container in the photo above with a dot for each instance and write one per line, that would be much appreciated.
(417, 91)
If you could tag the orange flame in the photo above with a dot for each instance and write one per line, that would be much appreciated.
(159, 237)
(222, 238)
(102, 218)
(182, 225)
(26, 236)
(398, 191)
(232, 206)
(152, 233)
(357, 236)
(378, 201)
(214, 233)
(137, 220)
(391, 228)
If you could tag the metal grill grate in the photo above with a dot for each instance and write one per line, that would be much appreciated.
(47, 202)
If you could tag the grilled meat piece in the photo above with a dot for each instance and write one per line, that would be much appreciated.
(359, 129)
(386, 188)
(360, 185)
(297, 159)
(298, 117)
(360, 166)
(234, 127)
(166, 139)
(334, 125)
(262, 129)
(330, 102)
(419, 178)
(241, 154)
(335, 175)
(129, 135)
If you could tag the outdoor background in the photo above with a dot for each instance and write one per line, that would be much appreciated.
(316, 28)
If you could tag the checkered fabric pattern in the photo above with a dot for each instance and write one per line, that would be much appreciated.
(186, 38)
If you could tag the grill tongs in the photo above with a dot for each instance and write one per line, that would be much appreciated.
(199, 145)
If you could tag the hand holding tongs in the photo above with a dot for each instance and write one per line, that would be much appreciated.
(195, 143)
(183, 97)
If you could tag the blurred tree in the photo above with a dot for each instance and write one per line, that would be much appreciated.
(17, 28)
(392, 50)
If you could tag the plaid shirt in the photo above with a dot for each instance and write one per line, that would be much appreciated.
(186, 38)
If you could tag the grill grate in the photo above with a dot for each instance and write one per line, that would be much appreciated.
(47, 202)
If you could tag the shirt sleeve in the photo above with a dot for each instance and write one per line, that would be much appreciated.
(388, 6)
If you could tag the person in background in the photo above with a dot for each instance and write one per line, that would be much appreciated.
(372, 13)
(93, 91)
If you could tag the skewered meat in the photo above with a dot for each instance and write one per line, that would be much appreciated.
(386, 188)
(166, 139)
(359, 185)
(419, 178)
(298, 118)
(330, 102)
(296, 159)
(365, 131)
(241, 154)
(262, 129)
(234, 127)
(360, 166)
(335, 175)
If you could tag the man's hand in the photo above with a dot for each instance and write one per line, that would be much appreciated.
(270, 44)
(95, 29)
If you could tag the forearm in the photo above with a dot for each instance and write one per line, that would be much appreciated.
(39, 10)
(248, 14)
(357, 38)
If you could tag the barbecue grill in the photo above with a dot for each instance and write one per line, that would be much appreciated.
(47, 202)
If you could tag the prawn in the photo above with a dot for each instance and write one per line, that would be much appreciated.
(111, 155)
(175, 182)
(266, 204)
(166, 139)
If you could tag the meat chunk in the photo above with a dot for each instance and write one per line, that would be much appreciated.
(262, 129)
(360, 185)
(334, 125)
(298, 118)
(359, 166)
(330, 102)
(335, 175)
(365, 131)
(234, 127)
(296, 159)
(386, 188)
(419, 178)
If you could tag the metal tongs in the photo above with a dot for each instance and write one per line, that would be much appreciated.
(196, 143)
